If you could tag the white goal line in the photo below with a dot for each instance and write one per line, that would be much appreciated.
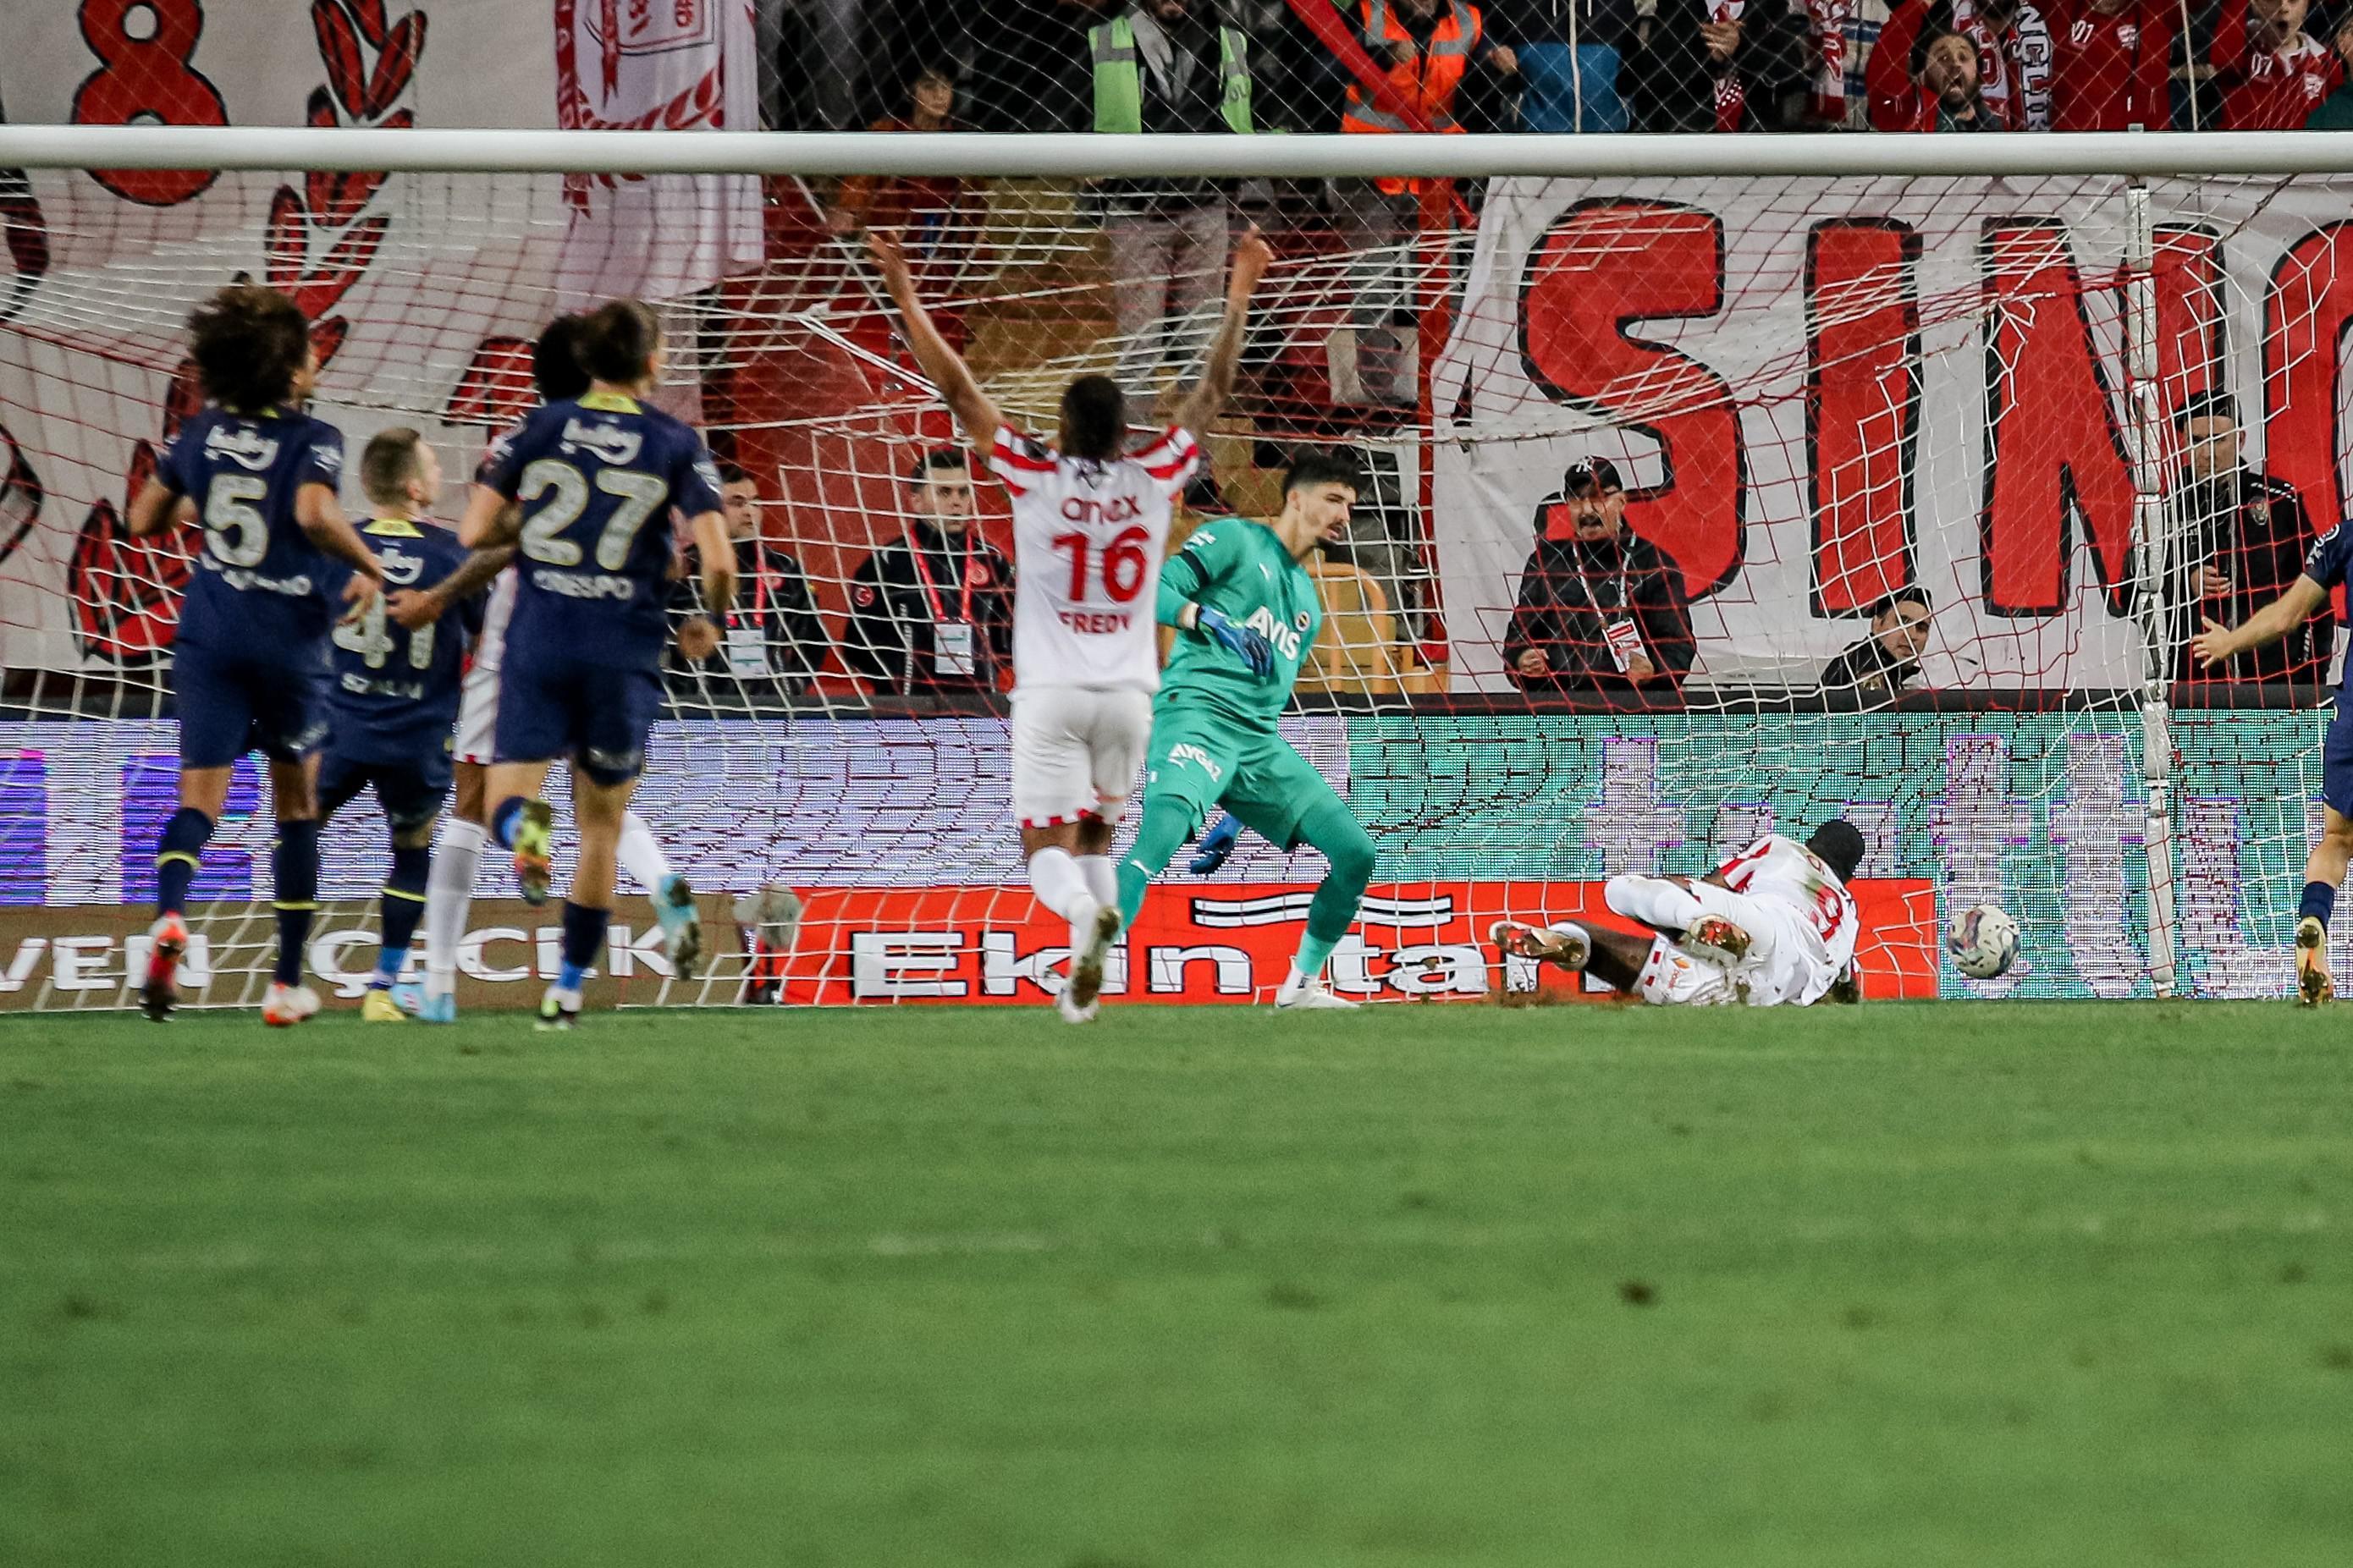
(2154, 155)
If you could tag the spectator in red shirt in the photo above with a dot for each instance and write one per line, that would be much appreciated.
(2013, 41)
(2110, 64)
(2273, 74)
(1945, 95)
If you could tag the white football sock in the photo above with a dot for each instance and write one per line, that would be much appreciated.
(1060, 886)
(449, 899)
(1101, 873)
(639, 856)
(1653, 900)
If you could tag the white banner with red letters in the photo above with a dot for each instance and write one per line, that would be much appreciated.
(1822, 390)
(424, 291)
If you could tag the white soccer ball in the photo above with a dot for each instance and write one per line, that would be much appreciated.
(1983, 942)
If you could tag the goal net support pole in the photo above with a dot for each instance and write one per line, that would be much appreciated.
(2155, 553)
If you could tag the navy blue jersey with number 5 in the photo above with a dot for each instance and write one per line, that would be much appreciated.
(598, 478)
(259, 582)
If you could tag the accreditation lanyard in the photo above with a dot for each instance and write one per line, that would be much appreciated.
(953, 650)
(931, 589)
(1619, 633)
(747, 647)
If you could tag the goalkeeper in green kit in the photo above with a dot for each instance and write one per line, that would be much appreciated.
(1246, 613)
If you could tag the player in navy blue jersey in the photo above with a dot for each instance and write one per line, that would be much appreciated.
(449, 891)
(2325, 567)
(392, 700)
(249, 661)
(595, 481)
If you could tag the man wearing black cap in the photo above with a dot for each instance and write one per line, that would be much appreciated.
(2243, 537)
(1774, 925)
(1602, 610)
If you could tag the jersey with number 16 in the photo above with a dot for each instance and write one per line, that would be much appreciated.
(598, 478)
(1087, 541)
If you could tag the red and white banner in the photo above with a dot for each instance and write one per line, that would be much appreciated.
(1822, 390)
(1225, 943)
(424, 290)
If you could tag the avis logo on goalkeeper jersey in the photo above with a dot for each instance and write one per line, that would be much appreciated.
(1262, 620)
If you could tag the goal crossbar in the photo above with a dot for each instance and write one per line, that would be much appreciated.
(2155, 155)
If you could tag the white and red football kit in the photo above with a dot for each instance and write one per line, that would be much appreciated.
(478, 704)
(1801, 921)
(2271, 88)
(2110, 72)
(1088, 538)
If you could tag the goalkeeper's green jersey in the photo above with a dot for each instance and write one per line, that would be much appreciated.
(1240, 567)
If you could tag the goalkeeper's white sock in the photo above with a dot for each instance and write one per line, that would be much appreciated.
(449, 899)
(1653, 900)
(1101, 873)
(639, 856)
(1060, 885)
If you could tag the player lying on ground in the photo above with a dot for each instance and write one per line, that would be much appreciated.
(1775, 924)
(394, 695)
(449, 894)
(1246, 613)
(250, 656)
(1090, 524)
(595, 478)
(2324, 868)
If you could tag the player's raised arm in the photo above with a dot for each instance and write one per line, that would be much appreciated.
(941, 364)
(1206, 398)
(2218, 644)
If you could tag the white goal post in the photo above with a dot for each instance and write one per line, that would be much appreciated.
(1822, 362)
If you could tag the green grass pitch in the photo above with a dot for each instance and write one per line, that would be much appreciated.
(1935, 1284)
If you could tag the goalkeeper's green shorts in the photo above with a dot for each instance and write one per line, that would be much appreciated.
(1207, 761)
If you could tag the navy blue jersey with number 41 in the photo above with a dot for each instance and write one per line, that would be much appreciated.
(596, 479)
(394, 698)
(258, 586)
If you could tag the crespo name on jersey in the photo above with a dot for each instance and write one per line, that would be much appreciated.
(582, 584)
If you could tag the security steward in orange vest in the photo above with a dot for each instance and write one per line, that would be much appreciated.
(1426, 45)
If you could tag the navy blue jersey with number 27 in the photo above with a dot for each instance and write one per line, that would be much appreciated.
(598, 478)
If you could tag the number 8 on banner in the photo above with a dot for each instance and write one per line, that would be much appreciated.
(146, 50)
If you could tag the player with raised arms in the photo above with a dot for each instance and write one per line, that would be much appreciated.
(394, 695)
(1774, 925)
(248, 662)
(2325, 567)
(449, 893)
(1090, 526)
(595, 479)
(1214, 741)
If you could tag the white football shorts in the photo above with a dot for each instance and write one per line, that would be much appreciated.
(478, 715)
(1775, 971)
(1076, 750)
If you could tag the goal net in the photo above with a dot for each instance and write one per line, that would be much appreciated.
(1980, 447)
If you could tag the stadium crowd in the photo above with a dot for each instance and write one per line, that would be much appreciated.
(1555, 66)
